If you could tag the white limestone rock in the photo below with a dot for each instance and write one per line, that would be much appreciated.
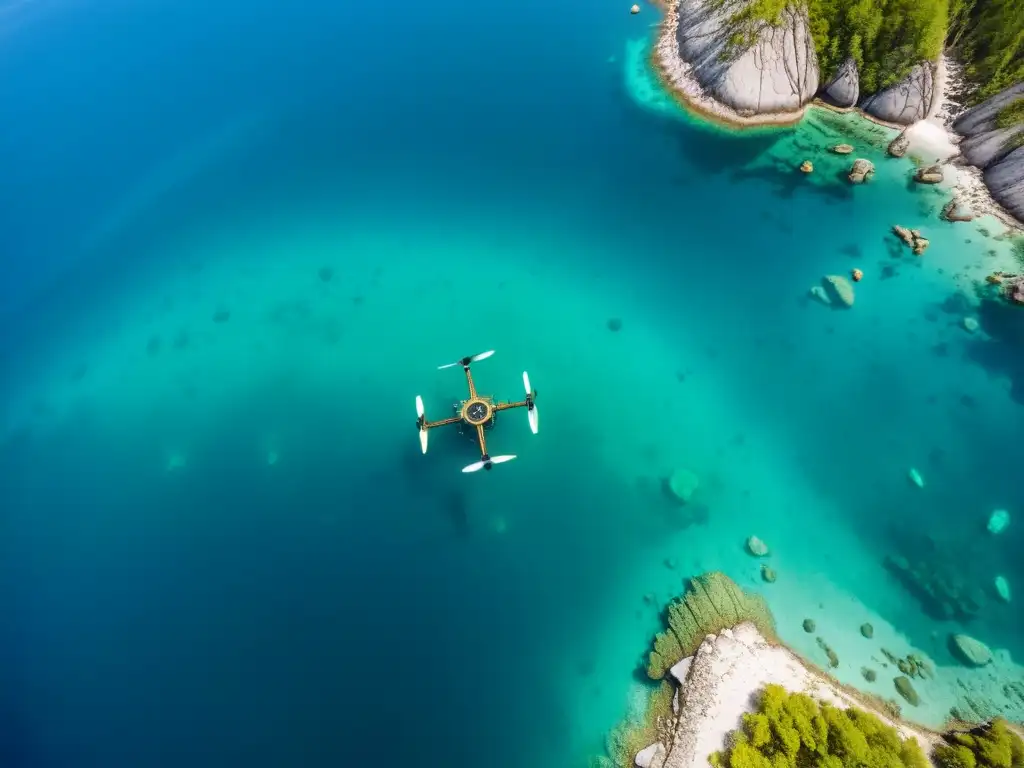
(680, 670)
(777, 73)
(650, 757)
(844, 89)
(908, 100)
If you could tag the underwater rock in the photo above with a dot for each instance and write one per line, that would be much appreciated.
(931, 174)
(712, 602)
(809, 625)
(768, 574)
(957, 211)
(615, 325)
(841, 149)
(838, 290)
(906, 689)
(634, 10)
(833, 659)
(1002, 588)
(756, 547)
(941, 592)
(971, 324)
(998, 521)
(807, 166)
(682, 484)
(818, 293)
(973, 653)
(906, 101)
(869, 674)
(911, 237)
(867, 630)
(898, 147)
(221, 316)
(325, 274)
(844, 89)
(861, 171)
(915, 477)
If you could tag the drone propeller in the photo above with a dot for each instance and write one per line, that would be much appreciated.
(467, 360)
(492, 460)
(419, 418)
(531, 409)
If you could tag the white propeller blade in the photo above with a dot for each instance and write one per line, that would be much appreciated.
(473, 359)
(526, 382)
(423, 430)
(477, 465)
(533, 416)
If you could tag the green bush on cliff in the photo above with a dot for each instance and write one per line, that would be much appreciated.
(1010, 115)
(712, 603)
(988, 36)
(792, 730)
(993, 747)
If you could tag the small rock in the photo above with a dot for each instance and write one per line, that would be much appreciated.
(929, 175)
(906, 689)
(833, 659)
(898, 146)
(867, 630)
(768, 574)
(920, 245)
(635, 10)
(998, 521)
(653, 755)
(756, 547)
(903, 234)
(682, 484)
(869, 674)
(955, 211)
(615, 325)
(807, 166)
(971, 652)
(809, 626)
(970, 324)
(818, 293)
(1003, 588)
(670, 563)
(861, 171)
(842, 149)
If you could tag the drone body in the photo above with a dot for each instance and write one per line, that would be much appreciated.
(476, 414)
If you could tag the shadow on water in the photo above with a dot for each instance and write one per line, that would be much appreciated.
(1002, 353)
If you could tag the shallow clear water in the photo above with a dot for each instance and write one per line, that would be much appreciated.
(238, 240)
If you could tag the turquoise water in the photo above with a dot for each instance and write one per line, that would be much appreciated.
(238, 241)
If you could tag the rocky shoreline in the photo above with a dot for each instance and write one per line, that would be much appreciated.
(681, 80)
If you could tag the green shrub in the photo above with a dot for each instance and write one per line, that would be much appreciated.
(1010, 115)
(995, 746)
(792, 730)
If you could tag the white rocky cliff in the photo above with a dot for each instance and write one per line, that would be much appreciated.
(844, 89)
(907, 101)
(995, 150)
(776, 73)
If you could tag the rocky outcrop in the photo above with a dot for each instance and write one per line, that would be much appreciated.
(776, 72)
(1005, 180)
(971, 652)
(861, 171)
(907, 101)
(844, 89)
(898, 147)
(984, 142)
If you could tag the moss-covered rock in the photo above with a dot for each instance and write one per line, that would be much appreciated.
(905, 688)
(792, 729)
(712, 602)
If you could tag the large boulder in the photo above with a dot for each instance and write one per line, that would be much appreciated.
(1005, 180)
(982, 118)
(971, 652)
(844, 89)
(776, 72)
(906, 101)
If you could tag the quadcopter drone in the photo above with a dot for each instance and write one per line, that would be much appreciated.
(477, 413)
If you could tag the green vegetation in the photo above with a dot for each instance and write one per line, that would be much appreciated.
(632, 735)
(993, 747)
(988, 36)
(712, 603)
(1010, 115)
(792, 729)
(888, 37)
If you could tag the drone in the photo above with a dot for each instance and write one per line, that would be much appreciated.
(476, 414)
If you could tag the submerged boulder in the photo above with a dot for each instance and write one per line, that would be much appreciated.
(861, 171)
(971, 652)
(931, 174)
(906, 101)
(844, 89)
(898, 147)
(682, 484)
(839, 290)
(773, 69)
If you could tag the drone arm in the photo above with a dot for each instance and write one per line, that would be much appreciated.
(482, 439)
(506, 406)
(469, 381)
(441, 423)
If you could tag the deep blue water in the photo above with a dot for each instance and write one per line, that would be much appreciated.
(473, 178)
